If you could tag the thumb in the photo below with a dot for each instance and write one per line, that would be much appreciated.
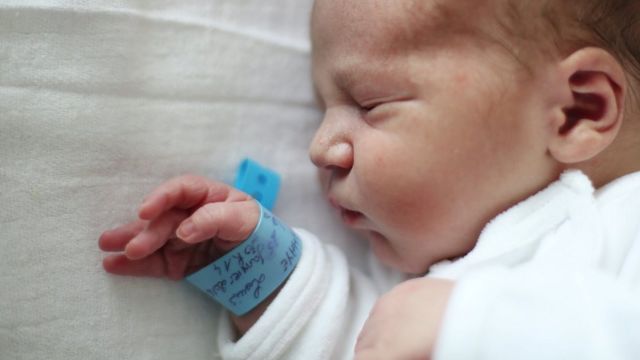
(228, 221)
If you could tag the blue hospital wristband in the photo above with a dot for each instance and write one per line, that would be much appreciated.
(253, 270)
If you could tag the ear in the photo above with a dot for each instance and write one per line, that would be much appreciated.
(592, 116)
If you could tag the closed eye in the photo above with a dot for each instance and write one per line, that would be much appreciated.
(370, 107)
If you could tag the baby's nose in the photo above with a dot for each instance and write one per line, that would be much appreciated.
(331, 149)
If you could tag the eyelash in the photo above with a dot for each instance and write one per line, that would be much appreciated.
(369, 108)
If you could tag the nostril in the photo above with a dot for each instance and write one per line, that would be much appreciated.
(331, 146)
(340, 156)
(334, 156)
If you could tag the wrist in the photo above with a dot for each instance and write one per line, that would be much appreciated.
(254, 271)
(243, 323)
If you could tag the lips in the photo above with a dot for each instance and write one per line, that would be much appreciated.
(349, 217)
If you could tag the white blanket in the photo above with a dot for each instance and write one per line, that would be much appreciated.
(101, 100)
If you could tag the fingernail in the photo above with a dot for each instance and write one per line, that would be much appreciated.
(187, 229)
(144, 203)
(132, 250)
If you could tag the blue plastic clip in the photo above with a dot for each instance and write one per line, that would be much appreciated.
(258, 181)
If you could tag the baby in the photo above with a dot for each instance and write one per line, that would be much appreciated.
(465, 139)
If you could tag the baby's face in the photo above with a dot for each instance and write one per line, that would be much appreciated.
(424, 144)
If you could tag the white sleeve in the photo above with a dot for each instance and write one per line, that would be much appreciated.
(541, 313)
(318, 314)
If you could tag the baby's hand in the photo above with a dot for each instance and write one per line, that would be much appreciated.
(184, 224)
(404, 323)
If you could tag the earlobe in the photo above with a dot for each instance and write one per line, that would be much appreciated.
(590, 121)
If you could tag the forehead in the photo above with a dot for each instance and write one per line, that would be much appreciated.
(373, 25)
(381, 26)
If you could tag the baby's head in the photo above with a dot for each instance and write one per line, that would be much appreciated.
(442, 114)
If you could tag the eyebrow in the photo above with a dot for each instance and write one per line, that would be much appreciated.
(347, 76)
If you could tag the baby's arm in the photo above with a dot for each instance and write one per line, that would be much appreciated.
(183, 225)
(405, 322)
(322, 299)
(531, 313)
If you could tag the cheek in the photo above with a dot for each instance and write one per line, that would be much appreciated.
(391, 186)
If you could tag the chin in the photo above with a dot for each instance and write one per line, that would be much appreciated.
(390, 258)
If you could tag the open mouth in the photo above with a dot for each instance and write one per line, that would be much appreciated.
(350, 217)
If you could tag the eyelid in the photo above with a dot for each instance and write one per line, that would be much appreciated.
(372, 104)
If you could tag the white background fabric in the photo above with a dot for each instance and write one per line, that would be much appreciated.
(100, 101)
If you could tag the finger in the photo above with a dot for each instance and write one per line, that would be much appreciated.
(184, 192)
(367, 350)
(152, 266)
(204, 254)
(366, 338)
(154, 236)
(228, 221)
(116, 239)
(187, 190)
(183, 263)
(370, 354)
